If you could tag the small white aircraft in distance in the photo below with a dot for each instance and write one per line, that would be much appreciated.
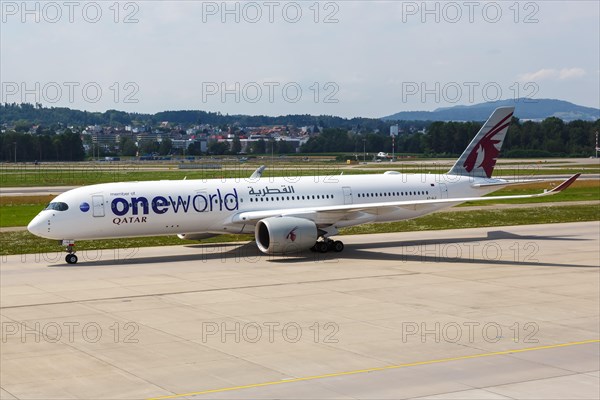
(287, 214)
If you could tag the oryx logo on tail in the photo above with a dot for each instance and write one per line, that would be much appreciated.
(479, 158)
(486, 152)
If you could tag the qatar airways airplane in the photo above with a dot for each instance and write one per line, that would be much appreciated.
(286, 215)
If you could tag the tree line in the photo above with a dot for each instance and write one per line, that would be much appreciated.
(65, 146)
(551, 137)
(25, 113)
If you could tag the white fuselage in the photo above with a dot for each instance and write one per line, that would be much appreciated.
(129, 209)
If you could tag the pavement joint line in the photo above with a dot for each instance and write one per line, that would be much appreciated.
(375, 369)
(136, 296)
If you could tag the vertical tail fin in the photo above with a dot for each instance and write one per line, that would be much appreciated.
(479, 158)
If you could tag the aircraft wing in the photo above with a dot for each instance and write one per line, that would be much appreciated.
(502, 182)
(331, 212)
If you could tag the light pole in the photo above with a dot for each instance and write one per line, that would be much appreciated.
(15, 143)
(364, 150)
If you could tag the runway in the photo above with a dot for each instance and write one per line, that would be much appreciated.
(508, 312)
(35, 191)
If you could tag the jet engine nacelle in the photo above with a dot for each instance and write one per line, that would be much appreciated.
(195, 236)
(285, 235)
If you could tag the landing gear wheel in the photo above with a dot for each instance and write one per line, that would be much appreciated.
(71, 258)
(338, 246)
(329, 244)
(322, 247)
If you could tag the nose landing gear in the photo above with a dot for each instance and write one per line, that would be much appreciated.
(70, 258)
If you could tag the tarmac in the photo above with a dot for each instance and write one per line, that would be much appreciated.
(486, 313)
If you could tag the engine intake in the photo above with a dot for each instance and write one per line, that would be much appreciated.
(285, 235)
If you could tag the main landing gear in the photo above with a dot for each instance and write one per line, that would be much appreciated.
(70, 258)
(328, 245)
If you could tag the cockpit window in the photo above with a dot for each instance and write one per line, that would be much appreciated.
(57, 206)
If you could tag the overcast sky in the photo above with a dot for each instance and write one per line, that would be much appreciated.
(347, 58)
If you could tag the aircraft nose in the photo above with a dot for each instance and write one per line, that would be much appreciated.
(38, 226)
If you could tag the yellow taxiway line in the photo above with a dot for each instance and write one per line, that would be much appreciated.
(362, 371)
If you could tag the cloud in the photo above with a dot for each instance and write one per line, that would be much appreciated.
(540, 75)
(568, 73)
(552, 74)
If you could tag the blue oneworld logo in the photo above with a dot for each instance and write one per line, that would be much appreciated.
(199, 203)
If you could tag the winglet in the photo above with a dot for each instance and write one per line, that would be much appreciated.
(258, 173)
(565, 184)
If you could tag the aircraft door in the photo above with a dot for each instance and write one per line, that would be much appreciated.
(347, 194)
(444, 191)
(98, 205)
